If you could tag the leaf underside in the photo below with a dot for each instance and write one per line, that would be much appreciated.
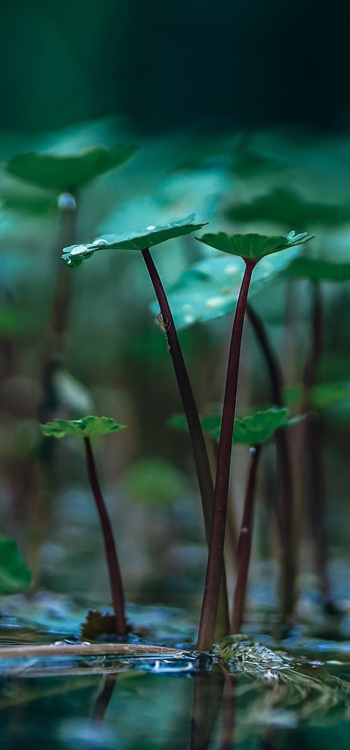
(253, 247)
(67, 172)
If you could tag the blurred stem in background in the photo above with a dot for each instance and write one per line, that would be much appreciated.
(285, 475)
(313, 436)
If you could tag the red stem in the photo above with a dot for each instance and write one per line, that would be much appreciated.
(115, 579)
(195, 428)
(217, 537)
(245, 543)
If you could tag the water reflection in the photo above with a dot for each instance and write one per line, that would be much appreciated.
(213, 705)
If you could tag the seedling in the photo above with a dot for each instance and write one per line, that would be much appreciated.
(252, 248)
(74, 256)
(209, 290)
(86, 428)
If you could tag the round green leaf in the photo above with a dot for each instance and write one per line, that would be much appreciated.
(250, 430)
(14, 573)
(86, 427)
(211, 287)
(288, 207)
(74, 255)
(253, 247)
(66, 172)
(317, 269)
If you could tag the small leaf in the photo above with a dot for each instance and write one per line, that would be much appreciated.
(97, 624)
(74, 255)
(67, 172)
(288, 207)
(317, 269)
(211, 287)
(250, 430)
(87, 427)
(14, 573)
(253, 247)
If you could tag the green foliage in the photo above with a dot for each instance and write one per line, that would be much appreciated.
(250, 430)
(74, 255)
(317, 269)
(69, 171)
(253, 247)
(211, 287)
(87, 427)
(286, 207)
(14, 573)
(154, 481)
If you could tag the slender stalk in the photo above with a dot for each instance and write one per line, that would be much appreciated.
(245, 543)
(317, 504)
(217, 537)
(66, 236)
(115, 579)
(313, 436)
(285, 475)
(195, 429)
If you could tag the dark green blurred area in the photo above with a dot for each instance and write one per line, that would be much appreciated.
(170, 65)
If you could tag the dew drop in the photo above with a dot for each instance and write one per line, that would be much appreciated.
(151, 226)
(79, 250)
(98, 243)
(188, 319)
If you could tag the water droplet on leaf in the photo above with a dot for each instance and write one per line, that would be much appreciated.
(79, 250)
(98, 243)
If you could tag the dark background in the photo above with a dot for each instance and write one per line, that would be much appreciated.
(255, 63)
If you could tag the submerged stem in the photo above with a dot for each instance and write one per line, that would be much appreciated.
(245, 543)
(195, 428)
(115, 579)
(285, 475)
(217, 537)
